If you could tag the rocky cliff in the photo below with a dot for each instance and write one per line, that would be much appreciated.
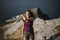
(43, 29)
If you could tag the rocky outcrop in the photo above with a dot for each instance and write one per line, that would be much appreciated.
(43, 29)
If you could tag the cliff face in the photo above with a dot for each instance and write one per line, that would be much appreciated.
(43, 29)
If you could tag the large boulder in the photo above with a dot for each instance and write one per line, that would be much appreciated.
(46, 29)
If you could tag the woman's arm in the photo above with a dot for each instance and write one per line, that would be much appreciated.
(27, 18)
(30, 19)
(24, 18)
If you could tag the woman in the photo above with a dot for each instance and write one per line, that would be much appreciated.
(28, 23)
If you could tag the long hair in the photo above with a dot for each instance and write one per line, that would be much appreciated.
(30, 13)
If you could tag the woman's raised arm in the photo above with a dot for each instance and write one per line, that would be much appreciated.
(23, 17)
(30, 19)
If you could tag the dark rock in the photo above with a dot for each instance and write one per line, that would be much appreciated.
(38, 13)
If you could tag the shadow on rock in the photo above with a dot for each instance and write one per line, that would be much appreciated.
(55, 37)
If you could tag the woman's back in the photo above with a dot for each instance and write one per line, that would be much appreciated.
(27, 26)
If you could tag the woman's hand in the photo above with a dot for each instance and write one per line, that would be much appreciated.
(30, 19)
(24, 18)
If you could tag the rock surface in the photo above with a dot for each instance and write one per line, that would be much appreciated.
(46, 28)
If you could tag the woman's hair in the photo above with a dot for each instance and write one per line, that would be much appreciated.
(30, 13)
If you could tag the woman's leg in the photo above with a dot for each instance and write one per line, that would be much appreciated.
(26, 36)
(32, 36)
